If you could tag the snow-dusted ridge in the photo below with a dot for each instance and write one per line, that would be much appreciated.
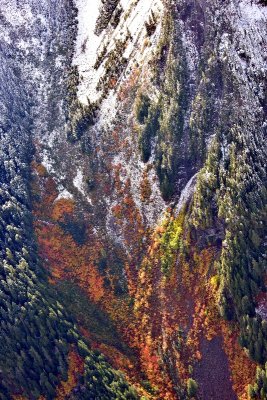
(88, 45)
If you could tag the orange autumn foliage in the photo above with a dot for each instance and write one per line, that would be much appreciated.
(190, 287)
(186, 299)
(129, 85)
(117, 359)
(145, 188)
(39, 169)
(208, 322)
(61, 208)
(243, 370)
(68, 260)
(65, 257)
(75, 363)
(152, 318)
(128, 217)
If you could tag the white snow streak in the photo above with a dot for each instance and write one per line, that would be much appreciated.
(133, 18)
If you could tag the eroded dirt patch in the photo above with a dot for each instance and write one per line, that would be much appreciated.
(212, 372)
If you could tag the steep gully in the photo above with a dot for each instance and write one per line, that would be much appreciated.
(78, 245)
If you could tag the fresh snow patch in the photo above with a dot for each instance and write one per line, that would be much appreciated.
(261, 308)
(186, 193)
(63, 193)
(125, 3)
(47, 162)
(88, 45)
(16, 14)
(78, 181)
(108, 110)
(88, 12)
(252, 12)
(134, 169)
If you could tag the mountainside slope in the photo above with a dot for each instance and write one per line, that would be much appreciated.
(133, 199)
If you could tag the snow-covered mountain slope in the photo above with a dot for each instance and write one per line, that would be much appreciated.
(130, 30)
(115, 63)
(70, 167)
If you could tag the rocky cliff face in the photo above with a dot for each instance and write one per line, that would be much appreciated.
(133, 133)
(190, 68)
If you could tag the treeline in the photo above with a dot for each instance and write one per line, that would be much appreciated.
(79, 117)
(36, 334)
(162, 119)
(178, 116)
(230, 199)
(107, 10)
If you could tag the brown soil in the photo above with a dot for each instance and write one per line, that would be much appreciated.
(212, 372)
